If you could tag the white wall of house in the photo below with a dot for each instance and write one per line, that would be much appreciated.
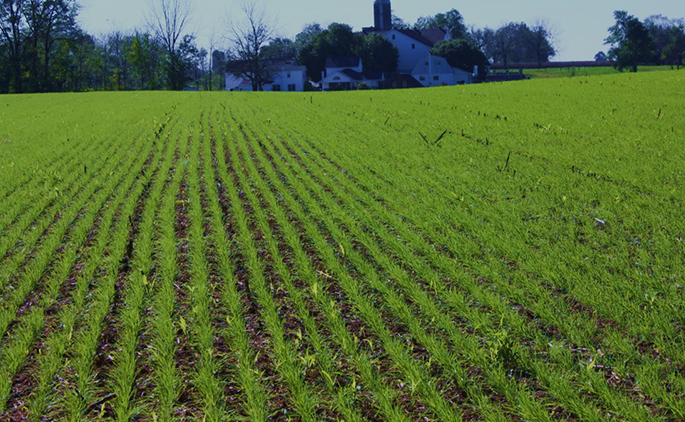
(283, 80)
(335, 78)
(411, 51)
(233, 82)
(462, 77)
(288, 80)
(435, 71)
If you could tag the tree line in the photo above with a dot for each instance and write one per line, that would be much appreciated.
(658, 40)
(43, 49)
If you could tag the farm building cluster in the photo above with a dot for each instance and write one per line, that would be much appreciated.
(416, 66)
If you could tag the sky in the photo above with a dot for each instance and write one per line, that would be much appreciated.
(581, 25)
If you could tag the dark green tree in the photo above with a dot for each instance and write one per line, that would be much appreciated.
(336, 40)
(630, 42)
(451, 21)
(540, 39)
(341, 40)
(48, 21)
(143, 56)
(674, 52)
(378, 54)
(308, 35)
(281, 49)
(505, 43)
(12, 31)
(462, 55)
(399, 23)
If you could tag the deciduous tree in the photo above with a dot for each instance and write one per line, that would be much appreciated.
(451, 21)
(540, 38)
(249, 38)
(168, 19)
(462, 55)
(630, 42)
(12, 29)
(378, 54)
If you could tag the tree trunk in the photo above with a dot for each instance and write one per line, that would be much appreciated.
(46, 75)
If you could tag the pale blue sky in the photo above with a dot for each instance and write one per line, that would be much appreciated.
(581, 24)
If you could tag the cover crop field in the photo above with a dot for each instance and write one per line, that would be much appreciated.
(497, 252)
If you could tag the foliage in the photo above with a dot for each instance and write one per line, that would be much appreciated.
(319, 45)
(674, 52)
(630, 42)
(281, 49)
(600, 56)
(666, 35)
(540, 41)
(399, 23)
(452, 22)
(144, 55)
(462, 55)
(250, 37)
(378, 54)
(567, 72)
(31, 30)
(180, 62)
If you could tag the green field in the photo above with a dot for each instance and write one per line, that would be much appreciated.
(502, 252)
(587, 71)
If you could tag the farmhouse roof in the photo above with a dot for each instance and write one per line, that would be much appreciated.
(435, 35)
(427, 37)
(353, 74)
(411, 81)
(287, 65)
(343, 61)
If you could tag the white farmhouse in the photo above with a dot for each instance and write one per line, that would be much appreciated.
(285, 76)
(413, 45)
(345, 73)
(288, 76)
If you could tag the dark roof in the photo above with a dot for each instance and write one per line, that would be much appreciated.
(427, 37)
(286, 65)
(345, 61)
(434, 34)
(416, 35)
(411, 81)
(358, 76)
(353, 74)
(373, 76)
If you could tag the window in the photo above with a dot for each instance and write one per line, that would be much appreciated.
(413, 46)
(287, 75)
(393, 36)
(404, 84)
(422, 78)
(276, 88)
(426, 63)
(337, 78)
(292, 87)
(394, 84)
(436, 78)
